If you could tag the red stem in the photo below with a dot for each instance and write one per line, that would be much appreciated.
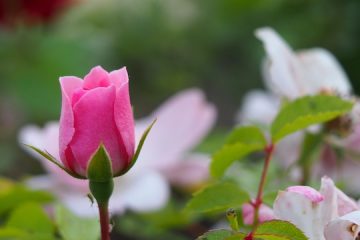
(259, 198)
(104, 221)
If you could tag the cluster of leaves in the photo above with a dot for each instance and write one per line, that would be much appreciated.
(25, 217)
(244, 140)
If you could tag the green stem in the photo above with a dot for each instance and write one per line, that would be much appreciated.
(259, 198)
(104, 221)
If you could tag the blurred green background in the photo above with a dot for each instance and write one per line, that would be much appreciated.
(167, 45)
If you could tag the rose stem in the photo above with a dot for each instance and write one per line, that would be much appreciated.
(104, 221)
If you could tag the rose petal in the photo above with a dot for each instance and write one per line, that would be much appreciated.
(94, 127)
(97, 77)
(123, 114)
(68, 86)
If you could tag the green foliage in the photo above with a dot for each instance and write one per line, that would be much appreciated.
(157, 225)
(251, 135)
(216, 235)
(307, 111)
(279, 230)
(241, 142)
(27, 222)
(217, 197)
(72, 227)
(13, 195)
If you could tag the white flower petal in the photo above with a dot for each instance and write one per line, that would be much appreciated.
(144, 191)
(344, 228)
(307, 72)
(281, 69)
(259, 107)
(323, 72)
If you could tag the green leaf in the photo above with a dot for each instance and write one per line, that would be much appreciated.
(219, 234)
(13, 195)
(223, 159)
(217, 197)
(237, 236)
(53, 160)
(9, 233)
(279, 230)
(72, 227)
(251, 135)
(307, 111)
(99, 168)
(138, 149)
(31, 218)
(271, 237)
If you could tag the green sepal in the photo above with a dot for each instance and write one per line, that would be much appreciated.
(99, 173)
(138, 149)
(53, 160)
(99, 167)
(102, 191)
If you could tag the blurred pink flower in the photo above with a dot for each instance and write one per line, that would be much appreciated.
(183, 121)
(96, 110)
(248, 212)
(311, 211)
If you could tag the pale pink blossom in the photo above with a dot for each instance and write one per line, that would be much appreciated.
(182, 122)
(311, 211)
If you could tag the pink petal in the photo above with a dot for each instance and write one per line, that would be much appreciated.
(68, 86)
(123, 114)
(193, 170)
(308, 192)
(94, 124)
(119, 77)
(182, 122)
(97, 77)
(248, 212)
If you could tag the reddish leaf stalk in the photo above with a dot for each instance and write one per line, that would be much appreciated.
(104, 221)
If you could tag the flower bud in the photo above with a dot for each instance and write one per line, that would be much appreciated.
(96, 111)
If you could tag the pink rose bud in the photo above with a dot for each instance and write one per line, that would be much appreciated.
(96, 111)
(248, 212)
